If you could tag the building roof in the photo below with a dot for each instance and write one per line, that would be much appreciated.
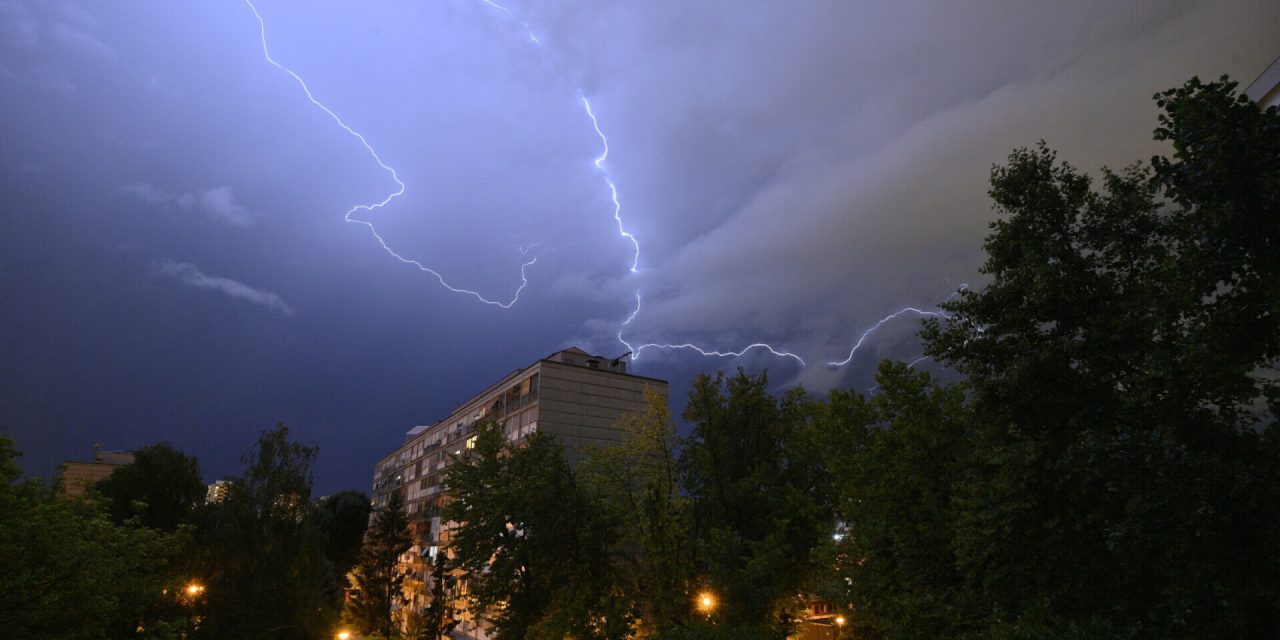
(1265, 90)
(574, 355)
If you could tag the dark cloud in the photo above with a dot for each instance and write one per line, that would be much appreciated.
(793, 172)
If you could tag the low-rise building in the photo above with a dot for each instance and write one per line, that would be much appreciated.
(77, 476)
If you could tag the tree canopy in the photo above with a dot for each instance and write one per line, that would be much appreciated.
(343, 518)
(161, 487)
(260, 553)
(759, 499)
(69, 571)
(1121, 370)
(1107, 467)
(530, 542)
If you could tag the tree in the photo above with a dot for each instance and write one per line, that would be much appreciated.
(69, 571)
(531, 545)
(760, 499)
(160, 487)
(1121, 369)
(898, 459)
(440, 617)
(636, 483)
(378, 575)
(260, 553)
(343, 518)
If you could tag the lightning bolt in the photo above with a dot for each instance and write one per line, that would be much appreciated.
(917, 361)
(635, 351)
(863, 338)
(528, 30)
(600, 161)
(622, 231)
(613, 188)
(350, 215)
(895, 314)
(721, 354)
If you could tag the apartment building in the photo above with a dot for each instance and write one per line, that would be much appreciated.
(573, 395)
(78, 475)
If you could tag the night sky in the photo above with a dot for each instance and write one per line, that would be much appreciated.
(175, 264)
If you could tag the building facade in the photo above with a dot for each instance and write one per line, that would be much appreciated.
(570, 394)
(217, 492)
(78, 476)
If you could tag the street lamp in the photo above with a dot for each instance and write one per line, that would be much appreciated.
(344, 635)
(706, 602)
(840, 621)
(194, 589)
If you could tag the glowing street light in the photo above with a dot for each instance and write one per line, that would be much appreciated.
(194, 589)
(706, 602)
(840, 621)
(344, 635)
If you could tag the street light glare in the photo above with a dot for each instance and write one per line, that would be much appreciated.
(344, 635)
(706, 601)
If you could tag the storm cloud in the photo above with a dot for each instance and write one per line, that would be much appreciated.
(793, 172)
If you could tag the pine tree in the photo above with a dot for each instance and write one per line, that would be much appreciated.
(378, 576)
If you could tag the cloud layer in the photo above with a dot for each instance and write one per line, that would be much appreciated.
(794, 173)
(217, 203)
(191, 276)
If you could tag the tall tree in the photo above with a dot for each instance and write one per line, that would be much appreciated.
(530, 542)
(343, 518)
(260, 553)
(378, 575)
(898, 458)
(636, 483)
(1122, 369)
(760, 499)
(161, 487)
